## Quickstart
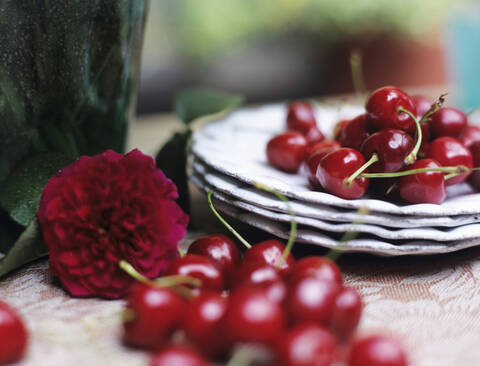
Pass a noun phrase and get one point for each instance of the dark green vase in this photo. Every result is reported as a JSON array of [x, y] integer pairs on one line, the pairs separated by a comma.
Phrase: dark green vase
[[68, 76]]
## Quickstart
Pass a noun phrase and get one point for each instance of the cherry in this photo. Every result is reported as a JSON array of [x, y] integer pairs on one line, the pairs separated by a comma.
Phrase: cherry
[[300, 117], [311, 299], [388, 187], [270, 252], [391, 146], [474, 178], [427, 187], [314, 135], [252, 317], [471, 135], [377, 351], [13, 335], [422, 104], [320, 267], [338, 128], [448, 122], [347, 311], [287, 150], [448, 151], [321, 146], [316, 154], [336, 167], [306, 345], [254, 273], [354, 132], [220, 249], [200, 267], [178, 355], [382, 109], [203, 323], [156, 314]]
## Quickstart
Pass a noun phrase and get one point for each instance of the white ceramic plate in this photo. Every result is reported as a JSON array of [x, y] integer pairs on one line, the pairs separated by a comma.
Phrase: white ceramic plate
[[235, 146]]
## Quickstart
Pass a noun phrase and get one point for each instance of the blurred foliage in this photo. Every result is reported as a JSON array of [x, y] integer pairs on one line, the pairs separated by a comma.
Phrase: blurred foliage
[[203, 29]]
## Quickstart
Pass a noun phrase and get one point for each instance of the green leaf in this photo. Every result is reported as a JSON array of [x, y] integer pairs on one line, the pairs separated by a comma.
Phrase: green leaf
[[20, 193], [9, 232], [193, 103], [28, 247], [172, 159]]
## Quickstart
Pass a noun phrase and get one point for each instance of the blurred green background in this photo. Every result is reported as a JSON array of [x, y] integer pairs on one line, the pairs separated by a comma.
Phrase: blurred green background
[[280, 49]]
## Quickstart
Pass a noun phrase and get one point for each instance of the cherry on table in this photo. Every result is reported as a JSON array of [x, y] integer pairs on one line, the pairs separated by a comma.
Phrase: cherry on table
[[180, 355], [316, 266], [474, 178], [203, 323], [448, 151], [220, 249], [448, 121], [300, 117], [336, 167], [156, 314], [252, 316], [382, 109], [13, 335], [470, 136], [391, 146], [346, 314], [270, 252], [199, 267], [377, 351], [306, 345], [422, 104], [354, 132], [428, 187], [287, 151]]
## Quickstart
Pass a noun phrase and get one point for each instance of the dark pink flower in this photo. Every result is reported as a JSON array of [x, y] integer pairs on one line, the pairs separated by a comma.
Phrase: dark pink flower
[[102, 209]]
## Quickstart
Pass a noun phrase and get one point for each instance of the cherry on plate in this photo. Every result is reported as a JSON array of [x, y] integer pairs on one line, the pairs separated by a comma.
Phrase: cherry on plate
[[470, 136], [428, 187], [313, 161], [377, 351], [382, 109], [270, 252], [306, 345], [287, 151], [300, 117], [354, 132], [199, 267], [474, 178], [347, 311], [178, 355], [422, 104], [155, 314], [315, 266], [338, 128], [13, 335], [322, 145], [448, 121], [314, 136]]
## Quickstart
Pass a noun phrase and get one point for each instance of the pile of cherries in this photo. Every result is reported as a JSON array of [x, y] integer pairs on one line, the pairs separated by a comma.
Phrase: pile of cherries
[[300, 312], [412, 146]]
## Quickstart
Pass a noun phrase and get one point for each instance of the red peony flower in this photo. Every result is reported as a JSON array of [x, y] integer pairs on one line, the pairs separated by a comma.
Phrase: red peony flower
[[106, 208]]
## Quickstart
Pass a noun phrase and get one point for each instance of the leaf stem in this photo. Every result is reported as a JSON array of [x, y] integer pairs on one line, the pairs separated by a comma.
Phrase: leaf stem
[[412, 157], [348, 181]]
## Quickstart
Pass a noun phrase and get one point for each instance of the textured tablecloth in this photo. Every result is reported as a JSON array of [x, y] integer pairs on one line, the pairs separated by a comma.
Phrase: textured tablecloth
[[431, 304]]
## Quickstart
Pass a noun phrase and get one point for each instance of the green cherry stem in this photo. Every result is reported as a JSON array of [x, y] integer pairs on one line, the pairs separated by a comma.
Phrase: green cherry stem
[[348, 181], [293, 223], [412, 157], [459, 169], [227, 225]]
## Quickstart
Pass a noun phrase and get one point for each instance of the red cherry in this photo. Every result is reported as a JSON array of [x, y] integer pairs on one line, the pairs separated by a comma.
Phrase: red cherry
[[270, 252], [382, 109], [346, 313], [13, 335], [387, 187], [314, 136], [300, 117], [287, 150], [448, 151], [306, 345], [178, 355], [320, 267], [426, 187], [422, 104], [338, 128], [157, 313], [474, 178], [354, 132], [200, 267], [377, 351], [336, 167], [220, 249], [313, 160], [311, 300], [471, 135], [448, 122], [252, 317], [203, 323], [321, 146], [391, 146]]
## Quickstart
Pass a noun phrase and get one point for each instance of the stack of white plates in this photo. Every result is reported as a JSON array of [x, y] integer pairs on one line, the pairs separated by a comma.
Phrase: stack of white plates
[[229, 158]]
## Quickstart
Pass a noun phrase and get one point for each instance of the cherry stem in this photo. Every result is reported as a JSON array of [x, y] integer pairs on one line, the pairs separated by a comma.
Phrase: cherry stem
[[459, 169], [225, 223], [356, 69], [241, 357], [181, 253], [293, 223], [412, 157], [373, 159]]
